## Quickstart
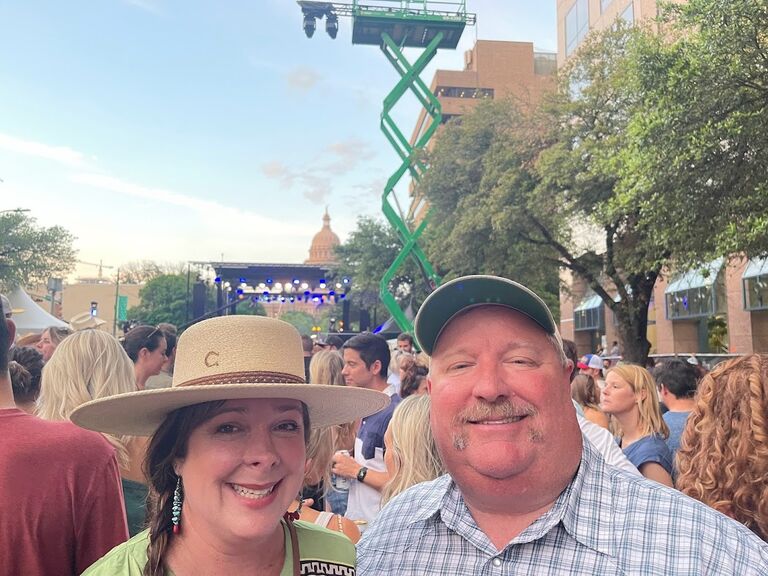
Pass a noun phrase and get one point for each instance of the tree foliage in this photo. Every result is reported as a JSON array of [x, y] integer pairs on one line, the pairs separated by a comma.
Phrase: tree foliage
[[30, 254], [523, 193], [701, 144], [302, 321], [651, 155], [366, 256], [163, 299], [142, 271]]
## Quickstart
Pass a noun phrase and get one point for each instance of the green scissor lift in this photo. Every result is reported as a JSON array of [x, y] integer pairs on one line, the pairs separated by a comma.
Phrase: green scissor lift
[[394, 25]]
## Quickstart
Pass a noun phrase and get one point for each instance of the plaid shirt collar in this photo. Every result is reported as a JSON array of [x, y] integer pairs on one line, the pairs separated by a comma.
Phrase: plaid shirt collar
[[584, 507]]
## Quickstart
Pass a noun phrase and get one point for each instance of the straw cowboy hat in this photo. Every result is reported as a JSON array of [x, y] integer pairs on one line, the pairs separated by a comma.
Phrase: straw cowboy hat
[[84, 321], [226, 358]]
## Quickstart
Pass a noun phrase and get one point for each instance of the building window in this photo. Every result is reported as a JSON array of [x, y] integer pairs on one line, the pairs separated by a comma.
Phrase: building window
[[604, 5], [576, 25], [694, 293], [629, 13], [589, 315], [755, 285], [544, 64], [459, 92]]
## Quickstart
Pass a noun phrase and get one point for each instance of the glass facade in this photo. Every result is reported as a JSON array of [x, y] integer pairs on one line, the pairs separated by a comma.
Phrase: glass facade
[[755, 285], [629, 13], [694, 294], [604, 5], [691, 303], [576, 25], [460, 92], [590, 314]]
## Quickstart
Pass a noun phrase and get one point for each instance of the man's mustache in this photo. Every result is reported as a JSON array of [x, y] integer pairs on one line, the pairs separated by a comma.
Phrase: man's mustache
[[499, 410]]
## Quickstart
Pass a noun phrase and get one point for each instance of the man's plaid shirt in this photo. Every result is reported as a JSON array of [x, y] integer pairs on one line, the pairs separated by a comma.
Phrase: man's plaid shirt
[[606, 521]]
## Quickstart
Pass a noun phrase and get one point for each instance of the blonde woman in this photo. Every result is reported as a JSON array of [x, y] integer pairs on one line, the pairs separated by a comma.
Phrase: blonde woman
[[326, 367], [50, 338], [411, 455], [723, 459], [88, 365], [319, 451], [630, 399]]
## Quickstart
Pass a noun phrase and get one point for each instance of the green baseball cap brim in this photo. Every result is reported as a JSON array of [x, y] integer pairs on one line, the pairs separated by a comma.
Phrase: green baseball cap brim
[[455, 296]]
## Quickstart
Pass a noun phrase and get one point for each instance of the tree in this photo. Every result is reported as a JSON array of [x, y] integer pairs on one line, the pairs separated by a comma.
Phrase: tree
[[521, 194], [302, 321], [141, 271], [30, 254], [365, 257], [163, 299], [250, 308], [701, 147], [476, 165]]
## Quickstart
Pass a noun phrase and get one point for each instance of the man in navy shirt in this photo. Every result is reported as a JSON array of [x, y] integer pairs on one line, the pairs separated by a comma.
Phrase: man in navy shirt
[[366, 358]]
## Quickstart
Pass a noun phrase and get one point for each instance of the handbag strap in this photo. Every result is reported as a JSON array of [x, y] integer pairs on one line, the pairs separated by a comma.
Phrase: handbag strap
[[294, 547]]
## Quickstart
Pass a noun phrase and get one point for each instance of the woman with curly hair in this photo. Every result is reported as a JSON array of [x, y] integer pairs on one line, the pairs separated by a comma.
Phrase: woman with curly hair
[[723, 458], [630, 399]]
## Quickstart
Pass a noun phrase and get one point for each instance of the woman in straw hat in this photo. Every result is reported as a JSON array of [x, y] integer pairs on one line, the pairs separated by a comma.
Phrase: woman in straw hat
[[227, 455]]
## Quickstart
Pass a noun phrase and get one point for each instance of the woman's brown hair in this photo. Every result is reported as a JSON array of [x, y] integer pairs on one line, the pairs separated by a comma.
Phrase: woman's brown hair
[[169, 443]]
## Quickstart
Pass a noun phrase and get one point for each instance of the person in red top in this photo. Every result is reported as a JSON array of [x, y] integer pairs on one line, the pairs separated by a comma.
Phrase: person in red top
[[61, 504]]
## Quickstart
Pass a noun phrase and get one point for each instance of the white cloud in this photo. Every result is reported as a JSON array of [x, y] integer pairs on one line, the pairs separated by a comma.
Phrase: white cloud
[[302, 79], [211, 212], [60, 154]]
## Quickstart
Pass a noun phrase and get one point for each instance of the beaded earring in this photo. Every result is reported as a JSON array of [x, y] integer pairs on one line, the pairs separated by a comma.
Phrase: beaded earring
[[176, 509], [296, 514]]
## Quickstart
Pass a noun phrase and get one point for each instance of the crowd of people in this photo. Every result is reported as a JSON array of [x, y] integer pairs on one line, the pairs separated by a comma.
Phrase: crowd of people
[[481, 444]]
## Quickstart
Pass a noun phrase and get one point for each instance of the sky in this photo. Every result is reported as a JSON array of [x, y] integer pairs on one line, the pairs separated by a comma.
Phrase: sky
[[192, 130]]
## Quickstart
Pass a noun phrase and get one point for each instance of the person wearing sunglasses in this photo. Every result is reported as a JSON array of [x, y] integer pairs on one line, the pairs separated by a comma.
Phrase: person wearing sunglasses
[[146, 347]]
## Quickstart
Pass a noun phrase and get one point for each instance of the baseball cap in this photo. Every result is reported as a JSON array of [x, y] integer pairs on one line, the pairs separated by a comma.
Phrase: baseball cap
[[469, 291], [595, 362], [583, 363], [6, 306]]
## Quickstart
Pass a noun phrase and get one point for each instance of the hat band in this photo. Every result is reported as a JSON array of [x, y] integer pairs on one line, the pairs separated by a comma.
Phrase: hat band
[[258, 377]]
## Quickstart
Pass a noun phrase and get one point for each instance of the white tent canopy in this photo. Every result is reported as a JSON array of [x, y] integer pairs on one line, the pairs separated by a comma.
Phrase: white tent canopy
[[28, 316]]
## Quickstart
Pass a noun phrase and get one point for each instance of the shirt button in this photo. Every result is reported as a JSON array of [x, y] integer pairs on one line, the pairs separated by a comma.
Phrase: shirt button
[[497, 562]]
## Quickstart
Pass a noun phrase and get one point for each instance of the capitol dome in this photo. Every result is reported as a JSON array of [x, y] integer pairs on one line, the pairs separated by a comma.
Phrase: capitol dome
[[321, 251]]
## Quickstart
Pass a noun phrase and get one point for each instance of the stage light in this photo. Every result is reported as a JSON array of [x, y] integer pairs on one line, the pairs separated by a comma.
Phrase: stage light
[[332, 25], [309, 25]]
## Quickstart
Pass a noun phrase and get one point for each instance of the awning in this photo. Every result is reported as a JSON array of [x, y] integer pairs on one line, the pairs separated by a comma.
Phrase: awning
[[702, 278], [756, 267], [590, 303]]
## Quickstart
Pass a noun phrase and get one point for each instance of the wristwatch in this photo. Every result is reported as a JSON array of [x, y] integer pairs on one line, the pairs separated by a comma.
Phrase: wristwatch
[[361, 474]]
